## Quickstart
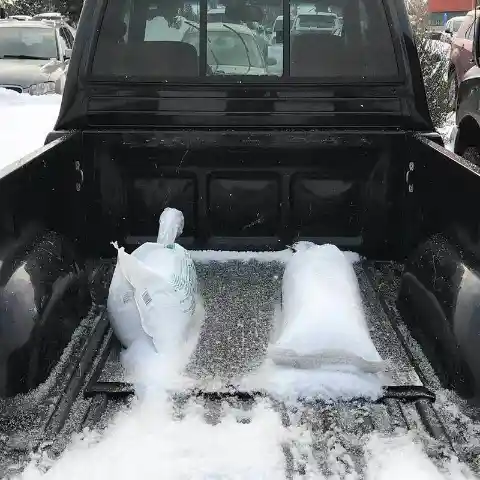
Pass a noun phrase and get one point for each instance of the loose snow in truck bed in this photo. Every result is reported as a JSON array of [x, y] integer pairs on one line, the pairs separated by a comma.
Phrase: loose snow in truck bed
[[25, 121], [281, 256], [151, 440]]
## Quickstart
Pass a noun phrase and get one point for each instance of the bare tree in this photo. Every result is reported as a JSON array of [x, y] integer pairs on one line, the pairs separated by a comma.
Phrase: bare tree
[[433, 56]]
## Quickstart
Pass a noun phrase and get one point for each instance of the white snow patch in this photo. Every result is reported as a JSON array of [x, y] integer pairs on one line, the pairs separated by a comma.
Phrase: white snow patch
[[400, 457], [25, 122], [281, 256], [147, 441]]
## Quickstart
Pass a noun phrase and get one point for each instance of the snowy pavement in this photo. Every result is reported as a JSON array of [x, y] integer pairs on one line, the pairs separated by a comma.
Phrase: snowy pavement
[[25, 121]]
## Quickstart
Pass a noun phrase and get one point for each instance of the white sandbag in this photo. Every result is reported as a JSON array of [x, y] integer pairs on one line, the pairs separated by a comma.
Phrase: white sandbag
[[322, 313], [154, 291]]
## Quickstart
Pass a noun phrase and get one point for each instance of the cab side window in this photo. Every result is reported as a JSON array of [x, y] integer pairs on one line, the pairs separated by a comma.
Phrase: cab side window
[[70, 37], [470, 32]]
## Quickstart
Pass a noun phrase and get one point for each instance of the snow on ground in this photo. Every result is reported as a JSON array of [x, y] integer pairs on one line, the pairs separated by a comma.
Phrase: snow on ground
[[401, 456], [148, 442], [282, 256], [25, 121]]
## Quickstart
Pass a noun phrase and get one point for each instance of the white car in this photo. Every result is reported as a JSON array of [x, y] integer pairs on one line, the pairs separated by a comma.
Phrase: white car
[[321, 22], [277, 30], [231, 50], [451, 29]]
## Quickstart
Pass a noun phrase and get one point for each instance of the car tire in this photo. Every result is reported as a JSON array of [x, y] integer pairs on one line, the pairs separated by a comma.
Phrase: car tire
[[472, 154], [452, 90]]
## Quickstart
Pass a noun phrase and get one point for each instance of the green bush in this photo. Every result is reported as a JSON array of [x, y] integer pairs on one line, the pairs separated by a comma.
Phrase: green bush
[[434, 59]]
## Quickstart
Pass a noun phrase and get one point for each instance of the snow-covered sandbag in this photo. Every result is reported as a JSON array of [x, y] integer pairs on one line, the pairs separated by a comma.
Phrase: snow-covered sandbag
[[322, 313], [154, 291]]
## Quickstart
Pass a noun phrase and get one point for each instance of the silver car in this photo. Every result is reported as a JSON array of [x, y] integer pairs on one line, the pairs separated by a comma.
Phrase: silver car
[[34, 56]]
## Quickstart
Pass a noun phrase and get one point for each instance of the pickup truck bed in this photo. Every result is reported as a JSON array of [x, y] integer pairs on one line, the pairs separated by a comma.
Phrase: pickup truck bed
[[254, 164], [88, 387]]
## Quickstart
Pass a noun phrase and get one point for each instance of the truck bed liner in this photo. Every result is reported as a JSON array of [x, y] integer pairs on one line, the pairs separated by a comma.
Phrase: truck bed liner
[[240, 298]]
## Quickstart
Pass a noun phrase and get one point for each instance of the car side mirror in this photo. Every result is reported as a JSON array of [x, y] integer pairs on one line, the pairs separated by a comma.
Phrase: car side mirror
[[271, 61], [68, 54], [447, 30], [269, 31], [476, 43]]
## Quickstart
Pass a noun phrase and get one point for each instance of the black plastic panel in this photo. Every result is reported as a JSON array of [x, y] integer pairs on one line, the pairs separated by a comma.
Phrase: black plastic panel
[[234, 202], [240, 192], [332, 202]]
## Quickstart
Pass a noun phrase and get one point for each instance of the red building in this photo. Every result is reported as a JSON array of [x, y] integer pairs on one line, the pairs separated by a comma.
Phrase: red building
[[442, 10]]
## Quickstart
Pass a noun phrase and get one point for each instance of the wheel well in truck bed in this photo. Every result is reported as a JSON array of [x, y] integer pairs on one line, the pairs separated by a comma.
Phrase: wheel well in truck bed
[[43, 296], [468, 136]]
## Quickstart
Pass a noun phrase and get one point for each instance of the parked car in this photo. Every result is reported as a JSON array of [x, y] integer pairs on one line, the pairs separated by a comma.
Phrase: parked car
[[465, 136], [34, 56], [215, 15], [277, 30], [451, 29], [319, 22], [232, 49], [254, 164], [56, 17], [48, 16], [461, 54]]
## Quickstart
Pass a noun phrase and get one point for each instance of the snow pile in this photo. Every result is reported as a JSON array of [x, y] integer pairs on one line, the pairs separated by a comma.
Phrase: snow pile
[[400, 457], [25, 122], [153, 374], [446, 130], [149, 442], [326, 383], [155, 440], [281, 256]]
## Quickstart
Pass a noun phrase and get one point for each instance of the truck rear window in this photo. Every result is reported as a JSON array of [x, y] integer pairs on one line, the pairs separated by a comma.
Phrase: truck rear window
[[161, 40]]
